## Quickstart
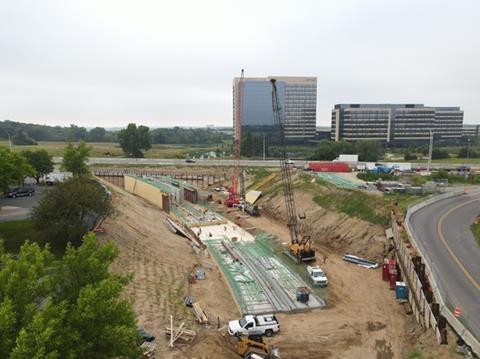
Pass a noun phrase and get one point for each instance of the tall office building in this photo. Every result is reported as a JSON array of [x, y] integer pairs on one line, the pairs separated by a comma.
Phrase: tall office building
[[298, 100], [396, 123]]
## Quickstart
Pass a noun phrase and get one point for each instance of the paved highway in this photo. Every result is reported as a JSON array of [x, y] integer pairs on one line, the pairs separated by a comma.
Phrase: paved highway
[[219, 162], [442, 230], [181, 162]]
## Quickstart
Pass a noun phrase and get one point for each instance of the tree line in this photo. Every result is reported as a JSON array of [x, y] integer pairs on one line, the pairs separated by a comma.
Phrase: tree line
[[30, 134]]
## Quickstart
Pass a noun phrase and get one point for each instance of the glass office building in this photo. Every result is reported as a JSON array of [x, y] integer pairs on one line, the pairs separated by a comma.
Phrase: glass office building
[[298, 100]]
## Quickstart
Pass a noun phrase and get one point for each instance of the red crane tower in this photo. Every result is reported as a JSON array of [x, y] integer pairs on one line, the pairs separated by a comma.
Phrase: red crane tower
[[234, 196]]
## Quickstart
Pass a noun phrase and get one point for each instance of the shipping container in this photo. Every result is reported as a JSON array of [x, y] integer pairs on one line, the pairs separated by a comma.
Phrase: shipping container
[[328, 166]]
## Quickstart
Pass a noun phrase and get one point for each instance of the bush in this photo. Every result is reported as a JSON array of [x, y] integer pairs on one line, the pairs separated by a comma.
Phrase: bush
[[410, 156], [438, 154]]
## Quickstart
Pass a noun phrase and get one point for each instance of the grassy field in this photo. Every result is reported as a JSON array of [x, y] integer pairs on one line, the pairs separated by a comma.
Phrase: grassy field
[[108, 149], [15, 233], [476, 232]]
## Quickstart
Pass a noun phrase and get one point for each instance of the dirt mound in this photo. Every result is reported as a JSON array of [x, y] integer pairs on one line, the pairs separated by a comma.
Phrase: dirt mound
[[159, 262], [336, 231]]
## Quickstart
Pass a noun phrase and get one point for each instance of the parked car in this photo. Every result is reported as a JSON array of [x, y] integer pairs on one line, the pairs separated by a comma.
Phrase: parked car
[[21, 192], [289, 162], [190, 160], [317, 275], [266, 324]]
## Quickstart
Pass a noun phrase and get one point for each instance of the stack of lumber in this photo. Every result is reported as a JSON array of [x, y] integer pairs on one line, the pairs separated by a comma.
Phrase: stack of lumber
[[183, 334], [199, 314], [148, 350]]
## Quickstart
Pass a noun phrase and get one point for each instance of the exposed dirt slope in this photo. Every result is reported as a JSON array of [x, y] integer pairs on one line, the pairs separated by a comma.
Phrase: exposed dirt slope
[[159, 262], [334, 230]]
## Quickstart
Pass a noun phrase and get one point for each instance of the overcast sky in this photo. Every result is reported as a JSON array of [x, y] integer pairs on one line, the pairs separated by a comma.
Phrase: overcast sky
[[164, 63]]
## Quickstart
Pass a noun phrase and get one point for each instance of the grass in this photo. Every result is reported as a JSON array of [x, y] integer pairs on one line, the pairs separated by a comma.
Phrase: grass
[[110, 149], [15, 233], [368, 207], [476, 232]]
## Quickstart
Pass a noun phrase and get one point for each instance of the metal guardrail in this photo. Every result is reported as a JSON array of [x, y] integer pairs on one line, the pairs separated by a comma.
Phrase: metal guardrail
[[456, 324]]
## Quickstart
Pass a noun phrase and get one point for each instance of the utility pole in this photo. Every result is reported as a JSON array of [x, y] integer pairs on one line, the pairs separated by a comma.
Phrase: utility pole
[[10, 142], [430, 151], [264, 147]]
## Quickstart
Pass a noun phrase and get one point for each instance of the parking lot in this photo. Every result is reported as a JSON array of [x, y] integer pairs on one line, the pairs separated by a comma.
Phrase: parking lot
[[13, 209]]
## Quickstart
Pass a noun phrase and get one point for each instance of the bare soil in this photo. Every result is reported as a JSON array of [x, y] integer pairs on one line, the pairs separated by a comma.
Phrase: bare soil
[[362, 320], [159, 263], [335, 231]]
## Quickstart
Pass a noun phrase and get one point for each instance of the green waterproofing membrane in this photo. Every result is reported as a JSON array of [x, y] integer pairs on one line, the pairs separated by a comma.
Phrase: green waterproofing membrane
[[250, 295], [337, 180]]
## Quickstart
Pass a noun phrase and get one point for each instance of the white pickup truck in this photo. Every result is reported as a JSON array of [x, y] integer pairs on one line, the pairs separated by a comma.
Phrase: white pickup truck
[[254, 325], [317, 275]]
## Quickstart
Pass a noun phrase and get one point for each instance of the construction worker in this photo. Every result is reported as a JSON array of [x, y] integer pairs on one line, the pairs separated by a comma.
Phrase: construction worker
[[325, 258]]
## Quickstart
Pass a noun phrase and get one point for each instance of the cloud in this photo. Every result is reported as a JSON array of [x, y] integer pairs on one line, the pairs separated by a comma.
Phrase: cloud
[[165, 63]]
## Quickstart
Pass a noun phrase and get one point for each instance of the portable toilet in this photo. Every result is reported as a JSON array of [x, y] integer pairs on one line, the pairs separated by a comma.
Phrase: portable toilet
[[401, 291]]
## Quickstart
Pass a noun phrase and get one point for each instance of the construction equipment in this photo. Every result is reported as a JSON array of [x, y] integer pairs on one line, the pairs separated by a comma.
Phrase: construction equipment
[[234, 197], [254, 347], [300, 249]]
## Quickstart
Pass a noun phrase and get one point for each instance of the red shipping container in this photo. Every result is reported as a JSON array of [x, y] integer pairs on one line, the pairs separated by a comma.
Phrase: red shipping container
[[328, 166]]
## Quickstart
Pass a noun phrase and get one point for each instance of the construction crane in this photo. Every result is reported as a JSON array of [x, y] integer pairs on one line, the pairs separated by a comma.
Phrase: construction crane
[[234, 197], [300, 248]]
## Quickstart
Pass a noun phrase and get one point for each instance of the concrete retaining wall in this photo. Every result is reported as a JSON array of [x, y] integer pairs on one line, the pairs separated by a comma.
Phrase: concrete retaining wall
[[151, 193]]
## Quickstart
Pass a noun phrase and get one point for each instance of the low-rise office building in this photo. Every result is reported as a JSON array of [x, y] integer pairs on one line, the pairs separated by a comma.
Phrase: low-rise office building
[[396, 123], [470, 131]]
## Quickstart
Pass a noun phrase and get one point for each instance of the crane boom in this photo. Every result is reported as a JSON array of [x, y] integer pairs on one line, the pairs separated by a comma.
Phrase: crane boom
[[300, 247], [285, 168]]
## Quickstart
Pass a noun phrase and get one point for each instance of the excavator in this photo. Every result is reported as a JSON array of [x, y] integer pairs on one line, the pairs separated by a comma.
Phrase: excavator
[[300, 249], [253, 347]]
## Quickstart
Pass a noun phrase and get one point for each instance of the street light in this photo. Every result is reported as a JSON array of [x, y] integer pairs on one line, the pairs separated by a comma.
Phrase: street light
[[430, 151]]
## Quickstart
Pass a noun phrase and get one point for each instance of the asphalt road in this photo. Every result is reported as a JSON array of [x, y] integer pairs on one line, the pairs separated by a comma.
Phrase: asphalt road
[[14, 209], [219, 162], [442, 230]]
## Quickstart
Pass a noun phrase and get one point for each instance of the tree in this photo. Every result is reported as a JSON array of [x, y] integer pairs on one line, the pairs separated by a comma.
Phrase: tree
[[468, 152], [75, 133], [22, 138], [65, 212], [368, 150], [82, 313], [133, 140], [75, 158], [97, 134], [408, 156], [438, 154], [41, 162], [13, 169]]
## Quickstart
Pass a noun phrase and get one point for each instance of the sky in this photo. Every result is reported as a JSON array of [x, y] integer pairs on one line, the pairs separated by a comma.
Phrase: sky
[[171, 63]]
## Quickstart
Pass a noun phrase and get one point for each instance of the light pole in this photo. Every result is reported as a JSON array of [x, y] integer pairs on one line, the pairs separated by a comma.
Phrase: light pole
[[430, 151]]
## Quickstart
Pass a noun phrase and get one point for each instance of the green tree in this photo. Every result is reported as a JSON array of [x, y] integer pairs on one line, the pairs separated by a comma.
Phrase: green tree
[[41, 162], [81, 315], [438, 154], [75, 159], [14, 168], [329, 150], [64, 213], [22, 138], [134, 139], [22, 282], [368, 150], [97, 134]]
